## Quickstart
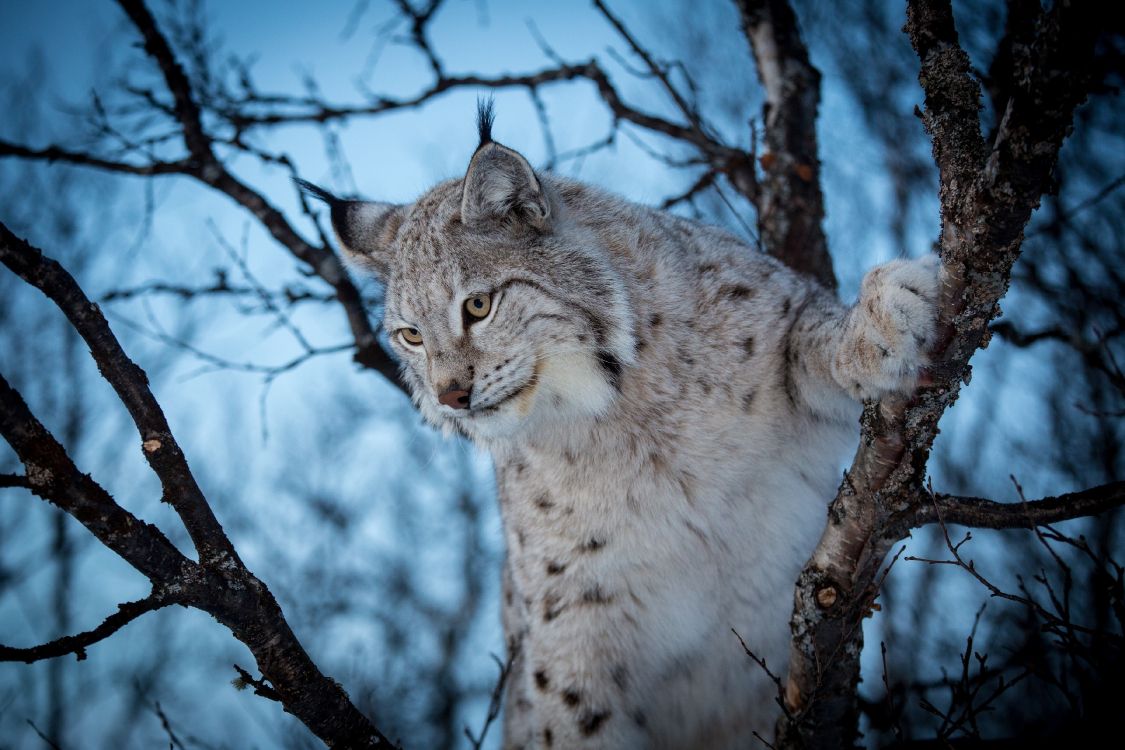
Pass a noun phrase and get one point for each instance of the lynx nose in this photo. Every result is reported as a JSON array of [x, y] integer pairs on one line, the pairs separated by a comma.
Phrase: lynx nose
[[455, 397]]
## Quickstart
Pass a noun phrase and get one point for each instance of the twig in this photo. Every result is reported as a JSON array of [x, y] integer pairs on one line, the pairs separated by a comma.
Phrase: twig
[[77, 644], [689, 110], [58, 154], [705, 181], [1069, 213], [173, 740], [761, 662], [50, 743], [14, 480], [495, 701], [261, 687], [989, 514], [1053, 621]]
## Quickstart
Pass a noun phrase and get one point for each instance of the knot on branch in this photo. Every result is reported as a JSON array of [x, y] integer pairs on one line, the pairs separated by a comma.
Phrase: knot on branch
[[38, 476], [826, 597]]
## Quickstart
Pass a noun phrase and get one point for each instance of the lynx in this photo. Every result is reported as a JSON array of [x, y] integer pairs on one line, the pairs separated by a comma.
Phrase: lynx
[[668, 411]]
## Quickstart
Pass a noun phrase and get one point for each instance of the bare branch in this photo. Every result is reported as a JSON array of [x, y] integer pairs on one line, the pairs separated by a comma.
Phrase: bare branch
[[219, 584], [495, 700], [54, 477], [660, 73], [706, 180], [214, 362], [419, 20], [989, 514], [52, 154], [203, 165], [173, 741], [289, 295], [761, 662], [207, 168], [14, 480], [77, 644], [1069, 213], [1057, 622], [131, 385], [47, 740], [186, 110], [311, 110], [1096, 354], [261, 687], [263, 295]]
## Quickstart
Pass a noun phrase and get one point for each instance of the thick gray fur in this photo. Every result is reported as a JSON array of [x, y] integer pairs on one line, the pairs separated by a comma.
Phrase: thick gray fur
[[668, 411]]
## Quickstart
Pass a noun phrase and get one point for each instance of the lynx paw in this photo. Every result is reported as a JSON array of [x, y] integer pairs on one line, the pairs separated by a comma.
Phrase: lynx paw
[[890, 330]]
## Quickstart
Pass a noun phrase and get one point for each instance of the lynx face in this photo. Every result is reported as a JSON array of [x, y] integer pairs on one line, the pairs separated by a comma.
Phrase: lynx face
[[491, 336], [503, 317]]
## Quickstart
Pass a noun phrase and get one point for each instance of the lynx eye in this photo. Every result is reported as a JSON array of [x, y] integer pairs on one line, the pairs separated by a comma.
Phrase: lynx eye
[[410, 336], [478, 305]]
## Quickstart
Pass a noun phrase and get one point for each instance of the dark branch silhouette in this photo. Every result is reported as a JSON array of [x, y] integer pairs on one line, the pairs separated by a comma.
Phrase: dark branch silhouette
[[988, 514], [218, 583], [78, 643]]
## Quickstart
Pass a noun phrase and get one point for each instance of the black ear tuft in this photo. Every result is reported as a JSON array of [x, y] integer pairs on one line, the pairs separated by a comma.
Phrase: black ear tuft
[[315, 191], [365, 229], [486, 115]]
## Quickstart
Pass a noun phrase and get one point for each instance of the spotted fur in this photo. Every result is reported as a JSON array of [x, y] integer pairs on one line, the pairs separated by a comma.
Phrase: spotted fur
[[668, 412]]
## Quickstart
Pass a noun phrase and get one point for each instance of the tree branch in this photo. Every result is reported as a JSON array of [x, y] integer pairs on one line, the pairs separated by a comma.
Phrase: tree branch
[[706, 180], [77, 644], [219, 584], [52, 154], [54, 477], [986, 199], [186, 110], [131, 385], [790, 203], [207, 168], [689, 111], [14, 480], [988, 514], [288, 295]]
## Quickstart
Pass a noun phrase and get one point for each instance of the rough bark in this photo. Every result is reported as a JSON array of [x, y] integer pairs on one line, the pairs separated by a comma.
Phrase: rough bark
[[988, 192]]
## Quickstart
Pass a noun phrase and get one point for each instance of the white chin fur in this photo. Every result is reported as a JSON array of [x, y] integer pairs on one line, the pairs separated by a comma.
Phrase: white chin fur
[[570, 387], [574, 385]]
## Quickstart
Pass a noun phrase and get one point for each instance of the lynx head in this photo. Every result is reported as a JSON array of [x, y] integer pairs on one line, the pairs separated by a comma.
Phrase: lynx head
[[501, 303]]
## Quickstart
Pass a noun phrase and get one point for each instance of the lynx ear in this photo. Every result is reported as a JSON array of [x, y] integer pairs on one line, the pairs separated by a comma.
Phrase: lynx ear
[[500, 184], [365, 229]]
